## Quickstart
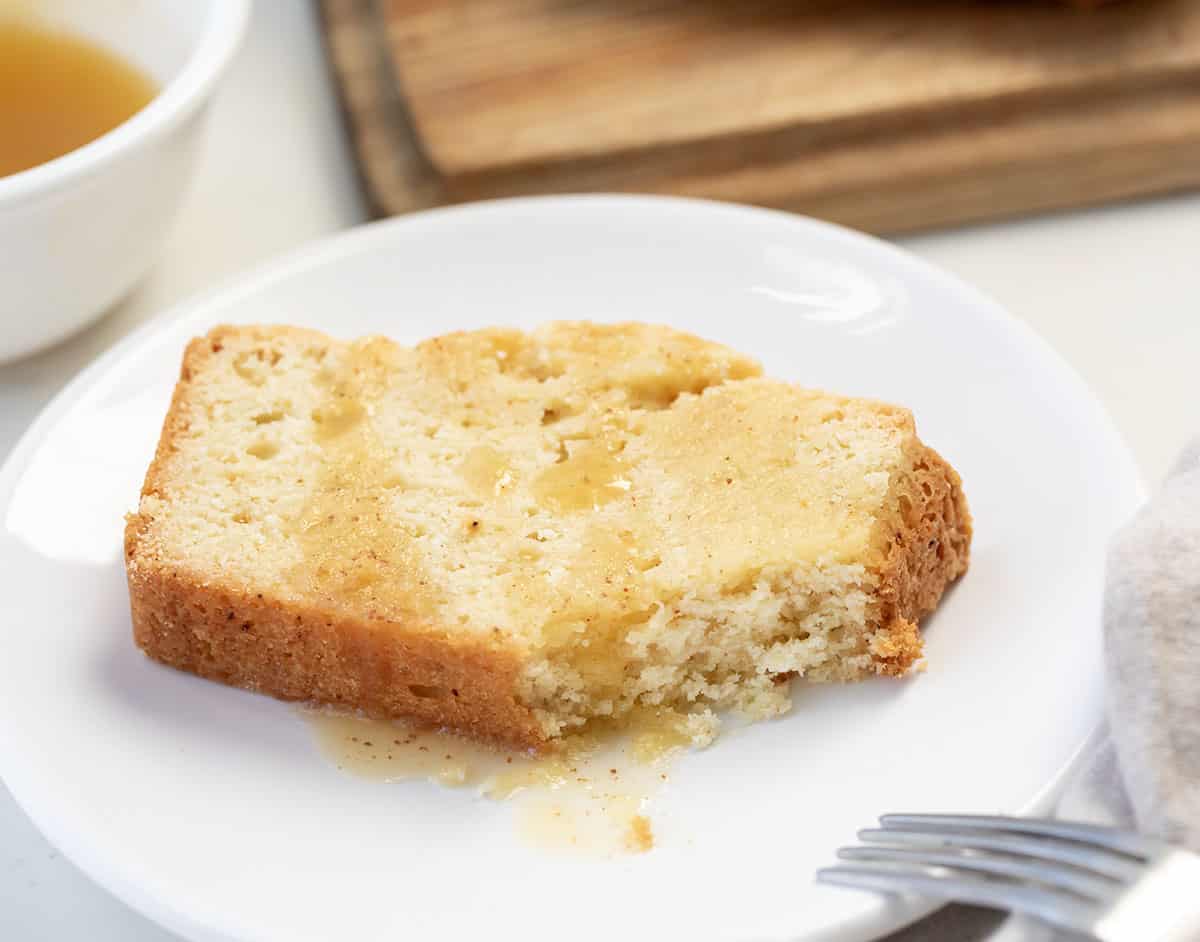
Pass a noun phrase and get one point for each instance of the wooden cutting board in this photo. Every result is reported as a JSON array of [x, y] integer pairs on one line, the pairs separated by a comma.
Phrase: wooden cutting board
[[887, 115]]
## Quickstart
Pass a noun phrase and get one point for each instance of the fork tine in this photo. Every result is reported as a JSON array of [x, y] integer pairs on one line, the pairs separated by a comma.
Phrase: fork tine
[[1062, 878], [1097, 860], [1122, 842], [1054, 908]]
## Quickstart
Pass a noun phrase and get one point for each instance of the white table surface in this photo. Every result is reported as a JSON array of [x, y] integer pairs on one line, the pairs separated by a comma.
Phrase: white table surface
[[1115, 290]]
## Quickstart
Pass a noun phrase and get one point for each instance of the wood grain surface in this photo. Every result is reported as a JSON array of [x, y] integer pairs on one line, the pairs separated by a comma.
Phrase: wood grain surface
[[885, 115]]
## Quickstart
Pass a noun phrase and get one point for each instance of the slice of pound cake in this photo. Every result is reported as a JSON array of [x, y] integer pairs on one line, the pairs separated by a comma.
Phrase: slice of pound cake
[[512, 534]]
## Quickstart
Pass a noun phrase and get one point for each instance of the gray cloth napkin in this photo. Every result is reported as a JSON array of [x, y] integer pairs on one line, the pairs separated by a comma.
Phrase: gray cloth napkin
[[1144, 771]]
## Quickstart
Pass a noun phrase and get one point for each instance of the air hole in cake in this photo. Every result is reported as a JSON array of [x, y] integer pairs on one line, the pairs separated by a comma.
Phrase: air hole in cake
[[543, 370], [508, 348], [651, 402], [266, 418], [654, 394], [426, 692], [337, 417], [263, 450], [248, 365]]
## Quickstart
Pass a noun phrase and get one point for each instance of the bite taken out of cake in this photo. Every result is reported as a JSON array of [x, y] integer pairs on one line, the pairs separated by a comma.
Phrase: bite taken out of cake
[[516, 534]]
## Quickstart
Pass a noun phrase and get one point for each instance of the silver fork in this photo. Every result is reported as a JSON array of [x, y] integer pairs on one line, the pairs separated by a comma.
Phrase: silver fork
[[1113, 885]]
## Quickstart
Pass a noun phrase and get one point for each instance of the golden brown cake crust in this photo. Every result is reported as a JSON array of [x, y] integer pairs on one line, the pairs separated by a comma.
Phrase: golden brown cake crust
[[928, 539], [302, 653]]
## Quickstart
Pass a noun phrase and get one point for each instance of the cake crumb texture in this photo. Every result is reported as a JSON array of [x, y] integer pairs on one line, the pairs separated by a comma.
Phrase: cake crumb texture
[[517, 534]]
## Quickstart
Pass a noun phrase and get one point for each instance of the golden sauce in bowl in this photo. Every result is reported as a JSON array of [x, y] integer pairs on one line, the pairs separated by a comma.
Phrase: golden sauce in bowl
[[58, 92]]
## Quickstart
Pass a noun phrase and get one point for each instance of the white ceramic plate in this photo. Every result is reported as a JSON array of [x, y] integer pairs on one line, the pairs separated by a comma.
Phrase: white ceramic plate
[[210, 809]]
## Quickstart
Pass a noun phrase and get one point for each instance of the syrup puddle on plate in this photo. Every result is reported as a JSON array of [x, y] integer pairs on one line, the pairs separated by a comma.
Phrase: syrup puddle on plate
[[594, 797]]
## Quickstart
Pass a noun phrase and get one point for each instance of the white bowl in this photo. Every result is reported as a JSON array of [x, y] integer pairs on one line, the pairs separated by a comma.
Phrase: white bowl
[[77, 232]]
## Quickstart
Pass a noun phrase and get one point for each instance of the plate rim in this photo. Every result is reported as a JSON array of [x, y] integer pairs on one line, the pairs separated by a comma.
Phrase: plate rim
[[356, 239]]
